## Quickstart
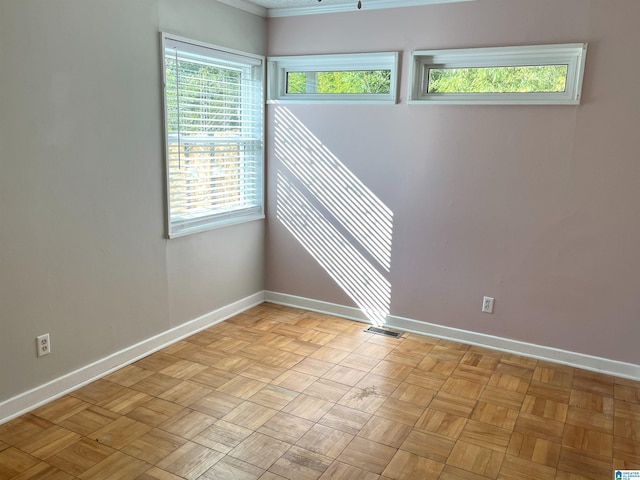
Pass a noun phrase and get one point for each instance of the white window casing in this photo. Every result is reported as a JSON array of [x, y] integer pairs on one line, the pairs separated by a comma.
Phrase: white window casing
[[280, 67], [570, 55], [214, 135]]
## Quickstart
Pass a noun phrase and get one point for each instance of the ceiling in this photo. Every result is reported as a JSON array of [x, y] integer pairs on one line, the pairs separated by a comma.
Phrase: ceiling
[[283, 8]]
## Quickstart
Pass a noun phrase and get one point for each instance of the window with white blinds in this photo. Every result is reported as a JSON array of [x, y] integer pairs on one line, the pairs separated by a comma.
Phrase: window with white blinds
[[214, 118]]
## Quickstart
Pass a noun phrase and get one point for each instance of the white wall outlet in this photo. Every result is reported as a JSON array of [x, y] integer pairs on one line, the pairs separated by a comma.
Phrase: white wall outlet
[[43, 345], [487, 304]]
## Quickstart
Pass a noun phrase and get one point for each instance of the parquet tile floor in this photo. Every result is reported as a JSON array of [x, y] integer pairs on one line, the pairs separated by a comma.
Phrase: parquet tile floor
[[279, 393]]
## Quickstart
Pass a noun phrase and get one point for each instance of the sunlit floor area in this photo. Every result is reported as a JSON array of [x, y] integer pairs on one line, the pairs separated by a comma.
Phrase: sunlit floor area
[[279, 393]]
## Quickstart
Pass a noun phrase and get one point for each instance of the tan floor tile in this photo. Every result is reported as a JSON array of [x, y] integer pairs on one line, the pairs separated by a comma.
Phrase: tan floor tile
[[232, 469], [120, 432], [242, 387], [342, 471], [260, 450], [285, 427], [155, 384], [360, 362], [367, 455], [408, 466], [429, 445], [413, 394], [14, 462], [345, 375], [580, 417], [591, 401], [99, 391], [190, 460], [187, 423], [459, 406], [591, 466], [216, 404], [273, 396], [553, 376], [364, 399], [183, 369], [485, 435], [473, 374], [154, 446], [399, 411], [61, 409], [125, 402], [48, 442], [514, 468], [495, 415], [213, 377], [249, 415], [385, 431], [115, 467], [43, 471], [550, 392], [460, 387], [222, 436], [327, 390], [509, 382], [439, 368], [185, 393], [540, 427], [440, 422], [476, 459], [392, 370], [328, 354], [312, 366], [81, 456], [425, 380], [155, 473], [325, 441], [545, 408], [591, 441], [263, 372], [346, 419], [534, 449], [155, 411], [296, 381], [300, 464], [372, 350], [307, 407], [502, 397]]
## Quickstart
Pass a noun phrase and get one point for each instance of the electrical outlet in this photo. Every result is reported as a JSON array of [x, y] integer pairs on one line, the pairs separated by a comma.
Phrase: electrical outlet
[[487, 304], [43, 345]]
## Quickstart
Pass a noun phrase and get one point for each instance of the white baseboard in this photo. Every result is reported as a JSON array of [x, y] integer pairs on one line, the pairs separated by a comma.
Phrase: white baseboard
[[27, 401], [555, 355]]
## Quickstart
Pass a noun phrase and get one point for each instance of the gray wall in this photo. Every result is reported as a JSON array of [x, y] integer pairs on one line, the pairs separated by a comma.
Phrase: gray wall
[[82, 249], [536, 206]]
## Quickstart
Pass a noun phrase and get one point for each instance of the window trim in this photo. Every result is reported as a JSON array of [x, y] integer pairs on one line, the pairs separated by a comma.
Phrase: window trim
[[279, 67], [571, 54], [175, 229]]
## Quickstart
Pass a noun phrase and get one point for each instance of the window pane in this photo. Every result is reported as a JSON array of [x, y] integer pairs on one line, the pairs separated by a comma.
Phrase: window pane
[[340, 82], [213, 108], [522, 79]]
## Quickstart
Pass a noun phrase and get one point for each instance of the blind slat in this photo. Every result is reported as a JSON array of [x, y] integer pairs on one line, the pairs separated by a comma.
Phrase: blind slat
[[214, 116]]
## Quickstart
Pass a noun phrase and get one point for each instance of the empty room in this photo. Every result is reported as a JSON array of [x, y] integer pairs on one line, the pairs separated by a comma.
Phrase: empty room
[[319, 239]]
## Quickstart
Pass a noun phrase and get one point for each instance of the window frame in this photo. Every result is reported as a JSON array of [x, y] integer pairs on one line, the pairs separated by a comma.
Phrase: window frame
[[219, 218], [571, 54], [279, 67]]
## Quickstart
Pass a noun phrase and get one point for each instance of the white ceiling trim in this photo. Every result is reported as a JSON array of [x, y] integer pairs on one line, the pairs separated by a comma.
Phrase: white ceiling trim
[[330, 8], [247, 7]]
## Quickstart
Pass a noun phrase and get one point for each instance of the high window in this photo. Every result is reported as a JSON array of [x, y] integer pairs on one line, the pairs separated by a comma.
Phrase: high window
[[542, 74], [213, 101], [339, 78]]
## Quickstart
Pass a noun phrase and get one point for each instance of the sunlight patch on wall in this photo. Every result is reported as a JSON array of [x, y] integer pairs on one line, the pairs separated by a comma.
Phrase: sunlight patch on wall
[[335, 186], [334, 216]]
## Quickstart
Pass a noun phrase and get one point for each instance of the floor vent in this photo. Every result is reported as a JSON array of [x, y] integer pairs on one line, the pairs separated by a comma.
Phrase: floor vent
[[383, 331]]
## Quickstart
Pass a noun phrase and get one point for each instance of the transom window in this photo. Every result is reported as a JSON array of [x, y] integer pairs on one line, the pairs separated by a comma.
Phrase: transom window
[[543, 74], [213, 102], [340, 78]]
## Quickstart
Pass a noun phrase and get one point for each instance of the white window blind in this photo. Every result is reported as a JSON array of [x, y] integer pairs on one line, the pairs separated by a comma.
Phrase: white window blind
[[214, 136]]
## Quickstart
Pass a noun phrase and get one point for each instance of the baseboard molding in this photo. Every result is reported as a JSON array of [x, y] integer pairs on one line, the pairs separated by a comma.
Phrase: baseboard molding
[[27, 401], [540, 352]]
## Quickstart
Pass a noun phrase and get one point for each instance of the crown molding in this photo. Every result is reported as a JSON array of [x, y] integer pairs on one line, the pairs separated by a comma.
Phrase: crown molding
[[247, 7], [329, 8]]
